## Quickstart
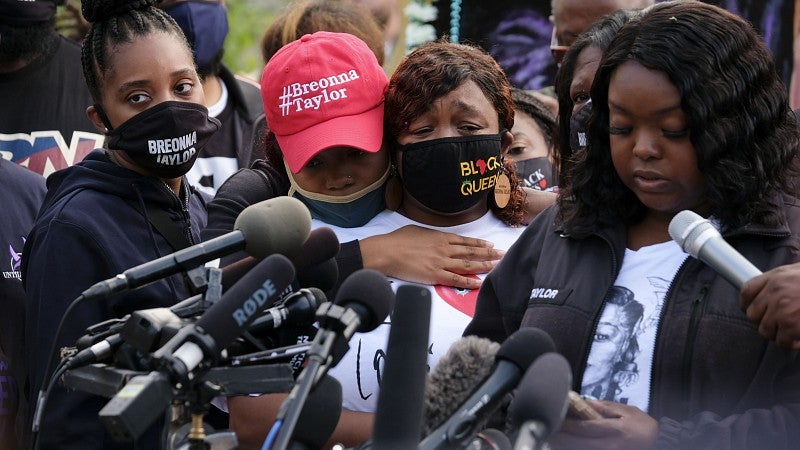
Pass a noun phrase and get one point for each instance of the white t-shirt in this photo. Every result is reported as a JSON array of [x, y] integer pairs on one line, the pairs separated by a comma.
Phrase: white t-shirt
[[218, 168], [451, 309], [621, 357]]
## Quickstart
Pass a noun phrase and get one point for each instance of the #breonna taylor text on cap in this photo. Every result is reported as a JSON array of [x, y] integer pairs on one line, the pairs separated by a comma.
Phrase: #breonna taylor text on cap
[[324, 90]]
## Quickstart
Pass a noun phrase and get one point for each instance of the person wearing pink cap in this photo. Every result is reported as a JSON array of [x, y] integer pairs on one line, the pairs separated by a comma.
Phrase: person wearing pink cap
[[323, 97], [443, 180]]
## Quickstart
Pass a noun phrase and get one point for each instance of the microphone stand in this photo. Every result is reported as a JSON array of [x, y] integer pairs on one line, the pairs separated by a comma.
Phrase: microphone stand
[[335, 322]]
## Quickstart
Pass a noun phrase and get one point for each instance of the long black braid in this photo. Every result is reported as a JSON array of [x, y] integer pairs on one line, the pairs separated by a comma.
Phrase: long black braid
[[115, 22]]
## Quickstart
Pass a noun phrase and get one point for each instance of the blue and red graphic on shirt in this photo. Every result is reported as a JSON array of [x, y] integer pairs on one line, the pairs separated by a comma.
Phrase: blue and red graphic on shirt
[[44, 152]]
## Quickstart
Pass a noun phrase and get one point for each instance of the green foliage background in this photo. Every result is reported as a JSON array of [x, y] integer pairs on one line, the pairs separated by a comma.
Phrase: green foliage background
[[248, 19]]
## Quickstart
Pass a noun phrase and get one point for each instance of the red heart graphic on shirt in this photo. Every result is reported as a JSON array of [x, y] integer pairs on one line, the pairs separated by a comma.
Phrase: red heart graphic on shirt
[[461, 299]]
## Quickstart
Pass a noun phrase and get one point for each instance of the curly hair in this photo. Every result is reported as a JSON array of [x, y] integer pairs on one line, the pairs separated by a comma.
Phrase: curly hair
[[740, 124], [433, 70], [599, 36], [116, 22]]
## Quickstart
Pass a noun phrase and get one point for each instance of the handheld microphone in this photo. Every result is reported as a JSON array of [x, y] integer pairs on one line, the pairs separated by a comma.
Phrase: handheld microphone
[[698, 237], [277, 225], [398, 416], [145, 397], [541, 401], [512, 359]]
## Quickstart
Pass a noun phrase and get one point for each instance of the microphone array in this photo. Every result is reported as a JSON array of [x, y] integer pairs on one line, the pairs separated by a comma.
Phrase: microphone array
[[282, 283]]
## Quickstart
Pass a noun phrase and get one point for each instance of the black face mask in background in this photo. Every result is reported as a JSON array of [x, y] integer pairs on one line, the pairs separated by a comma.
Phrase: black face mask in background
[[578, 124], [452, 174], [165, 139], [536, 173]]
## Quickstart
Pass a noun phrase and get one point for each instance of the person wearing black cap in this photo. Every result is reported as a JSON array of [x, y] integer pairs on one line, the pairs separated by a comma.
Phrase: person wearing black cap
[[45, 127], [234, 100]]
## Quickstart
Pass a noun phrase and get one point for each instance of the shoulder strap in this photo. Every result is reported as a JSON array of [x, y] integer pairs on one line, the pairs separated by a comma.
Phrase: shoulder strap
[[164, 224]]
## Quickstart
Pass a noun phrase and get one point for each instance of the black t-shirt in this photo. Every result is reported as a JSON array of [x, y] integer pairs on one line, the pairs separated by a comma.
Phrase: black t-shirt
[[43, 121]]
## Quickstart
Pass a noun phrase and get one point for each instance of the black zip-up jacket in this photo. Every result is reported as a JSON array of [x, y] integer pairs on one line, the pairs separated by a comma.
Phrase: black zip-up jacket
[[246, 99], [716, 383], [93, 225]]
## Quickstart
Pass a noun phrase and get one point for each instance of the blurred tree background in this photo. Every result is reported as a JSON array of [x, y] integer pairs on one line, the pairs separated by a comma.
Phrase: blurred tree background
[[248, 20]]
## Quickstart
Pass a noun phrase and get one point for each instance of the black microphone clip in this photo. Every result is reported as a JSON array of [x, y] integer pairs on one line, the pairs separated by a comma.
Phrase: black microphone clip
[[337, 326]]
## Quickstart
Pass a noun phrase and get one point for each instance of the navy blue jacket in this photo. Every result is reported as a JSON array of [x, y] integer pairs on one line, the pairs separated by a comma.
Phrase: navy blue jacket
[[21, 194], [92, 226]]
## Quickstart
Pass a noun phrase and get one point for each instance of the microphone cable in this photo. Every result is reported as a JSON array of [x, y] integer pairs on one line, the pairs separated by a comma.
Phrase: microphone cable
[[50, 381]]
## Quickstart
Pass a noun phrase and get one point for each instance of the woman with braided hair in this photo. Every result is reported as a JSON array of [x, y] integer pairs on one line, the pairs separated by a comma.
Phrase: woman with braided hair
[[123, 205]]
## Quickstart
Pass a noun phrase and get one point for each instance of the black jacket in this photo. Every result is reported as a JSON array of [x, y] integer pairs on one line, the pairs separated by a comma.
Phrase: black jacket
[[716, 383], [93, 225], [248, 109]]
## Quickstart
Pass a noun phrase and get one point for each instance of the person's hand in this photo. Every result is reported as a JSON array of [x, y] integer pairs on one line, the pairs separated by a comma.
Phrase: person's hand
[[772, 301], [426, 256], [623, 427]]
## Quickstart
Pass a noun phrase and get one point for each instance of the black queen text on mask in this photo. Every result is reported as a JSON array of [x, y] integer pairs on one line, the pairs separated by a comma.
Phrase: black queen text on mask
[[452, 174]]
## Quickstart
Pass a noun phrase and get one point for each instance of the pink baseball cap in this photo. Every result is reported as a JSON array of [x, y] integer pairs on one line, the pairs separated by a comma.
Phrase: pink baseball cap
[[324, 90]]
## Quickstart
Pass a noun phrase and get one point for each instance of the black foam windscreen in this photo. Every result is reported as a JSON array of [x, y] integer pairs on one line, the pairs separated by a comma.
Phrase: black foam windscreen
[[369, 294], [323, 275], [320, 414], [321, 245], [525, 345], [399, 412], [278, 225], [542, 395], [314, 262]]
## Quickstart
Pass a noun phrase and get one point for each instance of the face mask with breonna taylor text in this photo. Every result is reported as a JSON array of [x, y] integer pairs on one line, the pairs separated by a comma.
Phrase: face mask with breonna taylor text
[[164, 140], [452, 174]]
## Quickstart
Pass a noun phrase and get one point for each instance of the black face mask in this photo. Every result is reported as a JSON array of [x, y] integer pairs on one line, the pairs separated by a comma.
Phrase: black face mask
[[536, 173], [165, 139], [578, 124], [451, 175]]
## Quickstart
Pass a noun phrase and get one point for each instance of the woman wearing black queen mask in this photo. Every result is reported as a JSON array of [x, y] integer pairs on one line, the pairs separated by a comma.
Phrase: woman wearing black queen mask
[[123, 205]]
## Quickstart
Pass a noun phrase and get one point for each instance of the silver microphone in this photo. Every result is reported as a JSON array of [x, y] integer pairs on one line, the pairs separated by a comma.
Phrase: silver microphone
[[698, 237]]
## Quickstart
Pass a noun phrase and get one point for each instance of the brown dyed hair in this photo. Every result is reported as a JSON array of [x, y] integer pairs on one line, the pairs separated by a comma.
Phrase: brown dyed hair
[[437, 68]]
